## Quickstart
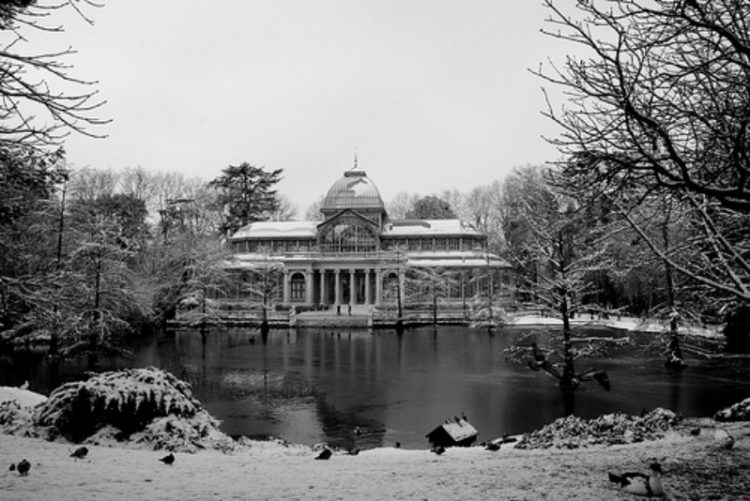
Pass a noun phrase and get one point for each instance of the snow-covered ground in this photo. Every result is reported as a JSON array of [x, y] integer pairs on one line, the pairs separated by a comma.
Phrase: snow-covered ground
[[695, 467], [630, 324]]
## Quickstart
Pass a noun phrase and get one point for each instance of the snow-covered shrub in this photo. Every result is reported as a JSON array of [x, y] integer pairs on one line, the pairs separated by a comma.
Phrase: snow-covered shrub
[[16, 418], [572, 432], [128, 400], [185, 434], [737, 412]]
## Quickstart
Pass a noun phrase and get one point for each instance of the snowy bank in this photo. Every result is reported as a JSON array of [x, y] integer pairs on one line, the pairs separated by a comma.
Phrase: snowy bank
[[695, 467], [628, 324], [24, 398]]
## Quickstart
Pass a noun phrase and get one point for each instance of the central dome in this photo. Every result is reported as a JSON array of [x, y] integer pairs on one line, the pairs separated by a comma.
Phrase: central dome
[[353, 191]]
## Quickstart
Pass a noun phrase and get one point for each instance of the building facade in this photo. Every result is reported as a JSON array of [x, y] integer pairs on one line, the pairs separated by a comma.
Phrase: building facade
[[357, 255]]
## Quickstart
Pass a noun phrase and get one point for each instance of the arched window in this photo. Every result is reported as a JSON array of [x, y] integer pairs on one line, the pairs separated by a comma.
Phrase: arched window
[[297, 287]]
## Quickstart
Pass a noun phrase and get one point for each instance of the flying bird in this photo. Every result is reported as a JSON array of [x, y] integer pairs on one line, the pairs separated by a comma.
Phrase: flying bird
[[640, 483], [79, 453], [23, 467], [168, 459], [325, 454]]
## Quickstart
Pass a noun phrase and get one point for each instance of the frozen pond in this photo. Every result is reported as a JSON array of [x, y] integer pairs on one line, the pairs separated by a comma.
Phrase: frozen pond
[[356, 388]]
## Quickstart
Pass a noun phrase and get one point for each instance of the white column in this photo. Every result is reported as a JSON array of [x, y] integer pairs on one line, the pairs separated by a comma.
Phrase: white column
[[286, 287], [352, 289], [367, 286], [323, 287], [378, 286], [337, 287], [309, 286]]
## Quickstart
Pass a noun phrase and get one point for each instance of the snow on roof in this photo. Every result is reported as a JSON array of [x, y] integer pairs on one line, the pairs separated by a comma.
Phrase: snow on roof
[[424, 227], [461, 263], [398, 228], [277, 229], [442, 259], [459, 430]]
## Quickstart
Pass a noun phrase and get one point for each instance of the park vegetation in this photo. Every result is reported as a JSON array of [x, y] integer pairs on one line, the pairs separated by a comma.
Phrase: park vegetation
[[646, 212]]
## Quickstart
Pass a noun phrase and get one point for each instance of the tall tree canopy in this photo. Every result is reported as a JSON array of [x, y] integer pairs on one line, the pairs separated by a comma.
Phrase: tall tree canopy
[[246, 195], [430, 207]]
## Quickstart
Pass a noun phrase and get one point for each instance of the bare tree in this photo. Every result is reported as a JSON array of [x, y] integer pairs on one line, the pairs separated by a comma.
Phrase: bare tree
[[35, 110], [658, 106], [660, 96]]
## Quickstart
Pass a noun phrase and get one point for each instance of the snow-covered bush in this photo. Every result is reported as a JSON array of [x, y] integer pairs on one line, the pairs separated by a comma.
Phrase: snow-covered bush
[[132, 401], [737, 412], [15, 418], [572, 432]]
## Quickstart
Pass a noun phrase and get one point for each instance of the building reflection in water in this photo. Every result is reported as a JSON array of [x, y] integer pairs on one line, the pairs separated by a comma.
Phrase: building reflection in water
[[363, 389]]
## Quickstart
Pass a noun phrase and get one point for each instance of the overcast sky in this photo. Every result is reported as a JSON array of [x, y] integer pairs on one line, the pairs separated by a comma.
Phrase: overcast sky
[[432, 94]]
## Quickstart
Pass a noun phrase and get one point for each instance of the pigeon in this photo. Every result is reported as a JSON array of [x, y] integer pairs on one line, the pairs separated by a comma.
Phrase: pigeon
[[640, 483], [325, 454], [23, 467], [12, 467], [25, 385], [79, 453], [492, 446], [438, 450], [398, 445], [168, 459], [353, 452]]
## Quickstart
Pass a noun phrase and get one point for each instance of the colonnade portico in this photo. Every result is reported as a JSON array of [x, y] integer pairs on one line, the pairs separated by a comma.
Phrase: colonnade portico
[[334, 286]]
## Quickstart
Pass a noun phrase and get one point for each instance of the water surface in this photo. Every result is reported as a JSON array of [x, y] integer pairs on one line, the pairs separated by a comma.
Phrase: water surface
[[364, 389]]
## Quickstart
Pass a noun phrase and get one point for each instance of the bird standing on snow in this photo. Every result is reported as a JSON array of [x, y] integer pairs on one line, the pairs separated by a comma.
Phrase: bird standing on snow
[[79, 453], [168, 459], [438, 450], [325, 454], [23, 467], [639, 483], [726, 440]]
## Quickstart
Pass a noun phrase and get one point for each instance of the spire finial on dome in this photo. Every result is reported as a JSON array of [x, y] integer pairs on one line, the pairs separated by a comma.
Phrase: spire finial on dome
[[355, 159]]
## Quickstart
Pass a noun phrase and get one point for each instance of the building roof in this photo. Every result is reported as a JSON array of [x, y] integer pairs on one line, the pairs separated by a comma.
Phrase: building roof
[[353, 191], [308, 229], [429, 227]]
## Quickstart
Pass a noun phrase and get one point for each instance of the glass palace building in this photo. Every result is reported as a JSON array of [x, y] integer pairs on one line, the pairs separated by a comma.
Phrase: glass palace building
[[357, 255]]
